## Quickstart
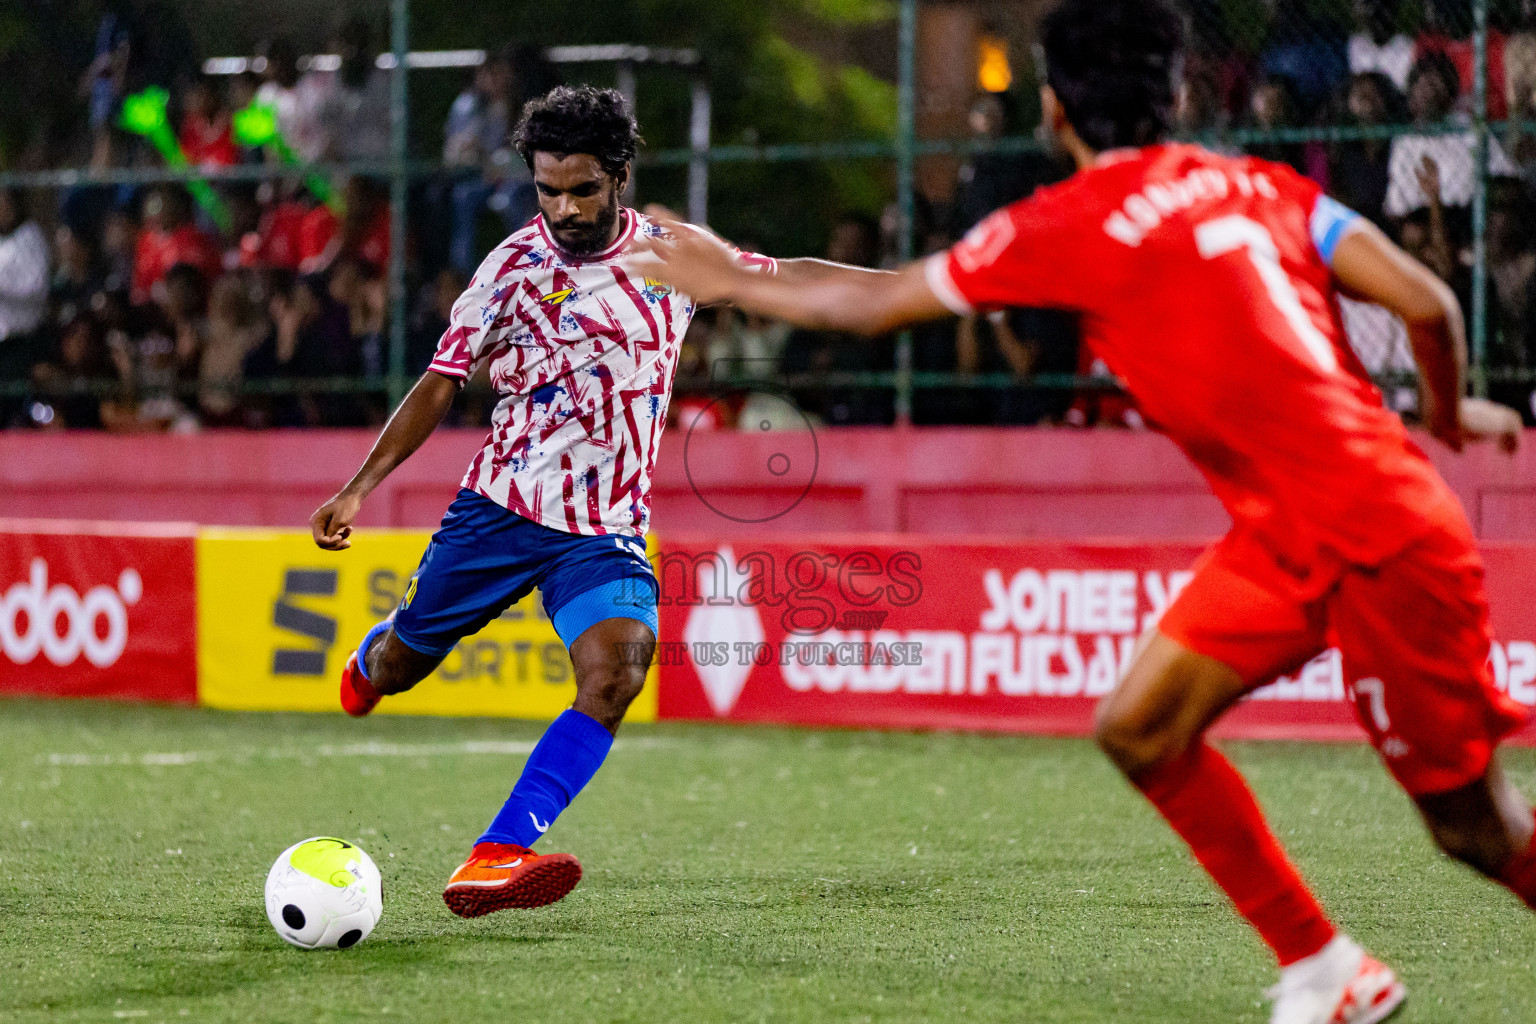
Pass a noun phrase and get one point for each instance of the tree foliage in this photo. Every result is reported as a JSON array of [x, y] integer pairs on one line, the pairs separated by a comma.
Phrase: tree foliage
[[765, 90]]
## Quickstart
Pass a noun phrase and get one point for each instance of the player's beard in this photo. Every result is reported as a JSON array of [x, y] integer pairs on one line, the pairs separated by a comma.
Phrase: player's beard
[[585, 238]]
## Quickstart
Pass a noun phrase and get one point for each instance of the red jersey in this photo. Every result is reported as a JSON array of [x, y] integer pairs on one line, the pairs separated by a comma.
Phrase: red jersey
[[316, 230], [158, 251], [208, 143], [276, 243], [320, 227], [1204, 283]]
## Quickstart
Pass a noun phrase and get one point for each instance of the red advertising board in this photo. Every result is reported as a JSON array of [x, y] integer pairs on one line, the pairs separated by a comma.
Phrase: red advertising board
[[94, 610], [1016, 636]]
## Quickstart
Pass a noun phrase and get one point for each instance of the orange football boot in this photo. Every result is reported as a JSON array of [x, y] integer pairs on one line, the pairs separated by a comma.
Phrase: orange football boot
[[358, 697], [501, 875]]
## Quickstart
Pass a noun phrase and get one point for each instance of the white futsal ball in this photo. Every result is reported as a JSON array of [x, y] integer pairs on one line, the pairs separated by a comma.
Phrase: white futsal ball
[[324, 893]]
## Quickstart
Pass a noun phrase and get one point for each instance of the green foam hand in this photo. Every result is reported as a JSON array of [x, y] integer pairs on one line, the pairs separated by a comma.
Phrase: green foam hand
[[145, 113], [256, 125]]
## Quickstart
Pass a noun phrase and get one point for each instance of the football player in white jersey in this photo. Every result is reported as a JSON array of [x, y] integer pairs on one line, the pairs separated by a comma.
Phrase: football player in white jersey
[[582, 352]]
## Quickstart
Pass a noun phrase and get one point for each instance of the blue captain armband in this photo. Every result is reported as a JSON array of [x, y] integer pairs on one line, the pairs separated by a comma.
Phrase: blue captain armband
[[1331, 221]]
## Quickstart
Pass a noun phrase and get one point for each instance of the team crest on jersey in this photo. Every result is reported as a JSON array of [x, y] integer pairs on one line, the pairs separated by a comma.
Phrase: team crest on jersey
[[655, 289], [556, 298]]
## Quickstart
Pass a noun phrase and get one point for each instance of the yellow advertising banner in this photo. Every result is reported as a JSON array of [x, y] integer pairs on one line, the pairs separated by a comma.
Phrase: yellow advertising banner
[[277, 618]]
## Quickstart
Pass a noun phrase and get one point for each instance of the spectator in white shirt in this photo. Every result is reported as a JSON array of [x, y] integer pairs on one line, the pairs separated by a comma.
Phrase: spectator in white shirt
[[23, 270], [1520, 88], [1379, 46], [296, 100], [23, 293], [353, 110], [1433, 86]]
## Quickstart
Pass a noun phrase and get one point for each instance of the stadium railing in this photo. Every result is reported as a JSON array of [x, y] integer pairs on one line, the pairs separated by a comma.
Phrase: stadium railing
[[1240, 47]]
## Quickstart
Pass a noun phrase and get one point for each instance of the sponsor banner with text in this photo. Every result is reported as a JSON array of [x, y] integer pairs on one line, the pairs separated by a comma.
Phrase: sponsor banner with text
[[1002, 636], [277, 619], [95, 610]]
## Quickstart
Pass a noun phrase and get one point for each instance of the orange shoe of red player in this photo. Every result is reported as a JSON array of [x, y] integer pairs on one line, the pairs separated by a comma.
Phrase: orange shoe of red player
[[500, 876], [358, 697]]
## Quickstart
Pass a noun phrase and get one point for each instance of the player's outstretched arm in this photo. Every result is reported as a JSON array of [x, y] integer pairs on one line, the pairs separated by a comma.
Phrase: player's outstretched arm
[[1368, 266], [809, 270], [808, 293], [410, 426]]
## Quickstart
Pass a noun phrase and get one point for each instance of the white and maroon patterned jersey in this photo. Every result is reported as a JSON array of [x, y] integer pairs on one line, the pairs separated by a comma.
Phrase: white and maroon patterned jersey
[[582, 353]]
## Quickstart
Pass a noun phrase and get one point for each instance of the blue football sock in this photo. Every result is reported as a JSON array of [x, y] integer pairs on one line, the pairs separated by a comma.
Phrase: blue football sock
[[570, 752], [368, 638]]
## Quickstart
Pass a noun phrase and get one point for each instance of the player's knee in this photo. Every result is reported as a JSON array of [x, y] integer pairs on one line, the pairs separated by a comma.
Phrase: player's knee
[[1132, 742], [390, 680], [624, 685], [611, 682]]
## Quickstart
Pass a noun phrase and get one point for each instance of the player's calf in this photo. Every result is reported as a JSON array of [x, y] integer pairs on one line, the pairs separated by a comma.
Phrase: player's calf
[[1488, 826], [1152, 728], [611, 659], [378, 668]]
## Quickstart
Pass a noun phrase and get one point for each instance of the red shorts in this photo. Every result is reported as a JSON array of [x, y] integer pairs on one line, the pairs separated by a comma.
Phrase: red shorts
[[1414, 637]]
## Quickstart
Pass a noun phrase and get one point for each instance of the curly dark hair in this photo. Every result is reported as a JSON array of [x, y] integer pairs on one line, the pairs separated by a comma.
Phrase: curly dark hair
[[579, 119], [1113, 64]]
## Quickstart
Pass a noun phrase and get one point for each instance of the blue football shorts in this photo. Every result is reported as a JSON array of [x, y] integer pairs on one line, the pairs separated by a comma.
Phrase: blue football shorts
[[483, 559]]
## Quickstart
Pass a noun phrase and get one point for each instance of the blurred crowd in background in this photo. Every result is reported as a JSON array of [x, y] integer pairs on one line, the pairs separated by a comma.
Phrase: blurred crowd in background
[[143, 308]]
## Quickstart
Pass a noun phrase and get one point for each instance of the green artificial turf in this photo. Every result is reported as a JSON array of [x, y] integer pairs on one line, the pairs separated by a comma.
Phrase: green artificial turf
[[731, 875]]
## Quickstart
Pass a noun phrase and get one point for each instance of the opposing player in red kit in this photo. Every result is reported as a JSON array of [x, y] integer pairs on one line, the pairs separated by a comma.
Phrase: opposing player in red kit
[[1208, 284]]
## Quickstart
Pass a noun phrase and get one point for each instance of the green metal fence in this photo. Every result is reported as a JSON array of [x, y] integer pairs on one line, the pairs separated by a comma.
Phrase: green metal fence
[[1216, 23]]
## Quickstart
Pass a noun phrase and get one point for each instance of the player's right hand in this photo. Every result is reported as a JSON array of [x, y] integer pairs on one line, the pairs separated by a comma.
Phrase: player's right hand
[[1482, 420], [332, 522]]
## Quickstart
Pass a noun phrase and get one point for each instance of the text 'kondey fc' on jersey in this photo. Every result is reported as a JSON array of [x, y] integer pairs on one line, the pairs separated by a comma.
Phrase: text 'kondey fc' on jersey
[[582, 354], [1204, 283]]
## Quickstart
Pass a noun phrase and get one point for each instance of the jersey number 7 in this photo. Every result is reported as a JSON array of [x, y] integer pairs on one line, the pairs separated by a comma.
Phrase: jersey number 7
[[1217, 238]]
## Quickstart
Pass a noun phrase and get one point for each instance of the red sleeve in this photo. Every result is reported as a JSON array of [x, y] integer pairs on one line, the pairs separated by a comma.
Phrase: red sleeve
[[204, 253], [750, 260], [187, 138], [375, 244], [315, 232], [455, 355], [757, 261], [478, 320], [146, 266], [1021, 255]]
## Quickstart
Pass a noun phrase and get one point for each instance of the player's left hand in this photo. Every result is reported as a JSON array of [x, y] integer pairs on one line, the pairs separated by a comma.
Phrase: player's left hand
[[1482, 420], [331, 524], [688, 258]]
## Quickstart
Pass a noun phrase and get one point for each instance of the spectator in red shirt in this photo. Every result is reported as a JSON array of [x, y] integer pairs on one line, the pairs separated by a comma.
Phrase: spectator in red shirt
[[362, 232], [1449, 31], [169, 237], [205, 134], [277, 242]]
